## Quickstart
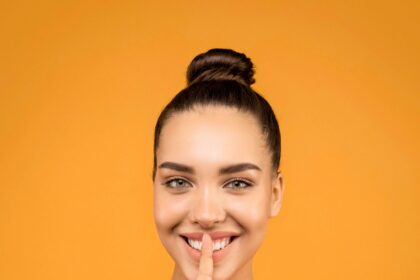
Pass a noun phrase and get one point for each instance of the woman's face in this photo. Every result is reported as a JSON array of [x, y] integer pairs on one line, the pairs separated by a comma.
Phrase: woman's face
[[214, 175]]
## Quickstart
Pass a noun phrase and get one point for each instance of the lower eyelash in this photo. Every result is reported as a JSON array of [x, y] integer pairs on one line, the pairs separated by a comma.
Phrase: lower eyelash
[[248, 184], [167, 183]]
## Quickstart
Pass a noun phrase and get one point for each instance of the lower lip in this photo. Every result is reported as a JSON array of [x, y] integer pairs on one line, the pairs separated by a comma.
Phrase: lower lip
[[217, 255]]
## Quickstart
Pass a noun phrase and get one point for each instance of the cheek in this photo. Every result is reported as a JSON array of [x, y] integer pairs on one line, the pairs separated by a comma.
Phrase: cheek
[[168, 210], [251, 211]]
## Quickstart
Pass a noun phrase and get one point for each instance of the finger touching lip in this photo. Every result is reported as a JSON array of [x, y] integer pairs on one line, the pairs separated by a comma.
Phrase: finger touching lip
[[214, 235]]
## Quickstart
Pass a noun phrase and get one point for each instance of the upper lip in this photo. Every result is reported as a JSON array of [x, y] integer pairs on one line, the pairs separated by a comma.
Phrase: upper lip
[[214, 235]]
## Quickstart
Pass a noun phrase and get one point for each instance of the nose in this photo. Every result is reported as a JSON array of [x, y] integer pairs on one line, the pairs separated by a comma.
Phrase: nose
[[207, 209]]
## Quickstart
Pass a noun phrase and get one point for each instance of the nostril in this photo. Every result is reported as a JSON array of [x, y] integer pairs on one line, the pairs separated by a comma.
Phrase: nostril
[[207, 213]]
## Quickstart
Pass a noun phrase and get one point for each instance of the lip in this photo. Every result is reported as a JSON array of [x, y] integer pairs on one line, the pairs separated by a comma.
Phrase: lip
[[217, 255], [214, 235]]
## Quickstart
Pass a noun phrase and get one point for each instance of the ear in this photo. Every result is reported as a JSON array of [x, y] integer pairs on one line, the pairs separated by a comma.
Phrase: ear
[[277, 189]]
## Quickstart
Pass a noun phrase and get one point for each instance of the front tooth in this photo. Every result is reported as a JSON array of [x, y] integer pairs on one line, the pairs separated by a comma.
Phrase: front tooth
[[218, 245], [214, 246]]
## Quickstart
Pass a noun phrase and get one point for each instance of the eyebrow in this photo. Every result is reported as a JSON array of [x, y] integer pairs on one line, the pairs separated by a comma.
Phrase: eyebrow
[[177, 167], [224, 170]]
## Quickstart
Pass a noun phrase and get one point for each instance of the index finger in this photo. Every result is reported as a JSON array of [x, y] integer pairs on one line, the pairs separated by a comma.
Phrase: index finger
[[205, 269]]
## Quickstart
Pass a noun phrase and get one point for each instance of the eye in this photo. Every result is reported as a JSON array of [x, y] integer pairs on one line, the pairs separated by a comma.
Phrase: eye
[[238, 184], [177, 183]]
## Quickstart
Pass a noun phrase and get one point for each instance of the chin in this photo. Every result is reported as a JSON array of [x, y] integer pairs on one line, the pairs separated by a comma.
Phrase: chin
[[221, 271]]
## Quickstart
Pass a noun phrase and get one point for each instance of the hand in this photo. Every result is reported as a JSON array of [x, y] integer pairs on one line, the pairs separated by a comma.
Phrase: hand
[[205, 269]]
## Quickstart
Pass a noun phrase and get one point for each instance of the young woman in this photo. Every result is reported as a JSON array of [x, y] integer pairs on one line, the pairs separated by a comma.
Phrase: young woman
[[215, 173]]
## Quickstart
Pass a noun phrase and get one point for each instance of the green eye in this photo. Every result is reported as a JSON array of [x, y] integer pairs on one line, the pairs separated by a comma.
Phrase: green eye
[[238, 184], [177, 183]]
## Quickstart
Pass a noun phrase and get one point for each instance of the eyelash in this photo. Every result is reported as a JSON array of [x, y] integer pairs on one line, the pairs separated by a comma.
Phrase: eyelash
[[240, 180], [247, 183], [167, 183]]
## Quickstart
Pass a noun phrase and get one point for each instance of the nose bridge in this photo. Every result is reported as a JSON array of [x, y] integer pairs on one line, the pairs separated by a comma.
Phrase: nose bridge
[[207, 207]]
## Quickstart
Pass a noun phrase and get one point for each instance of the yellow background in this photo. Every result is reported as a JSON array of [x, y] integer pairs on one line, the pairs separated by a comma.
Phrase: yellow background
[[82, 83]]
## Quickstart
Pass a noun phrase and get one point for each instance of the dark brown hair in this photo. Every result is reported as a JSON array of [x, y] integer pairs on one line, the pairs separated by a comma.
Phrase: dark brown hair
[[223, 77]]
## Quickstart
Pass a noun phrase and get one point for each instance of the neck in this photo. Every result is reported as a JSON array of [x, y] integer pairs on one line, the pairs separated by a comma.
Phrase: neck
[[245, 273]]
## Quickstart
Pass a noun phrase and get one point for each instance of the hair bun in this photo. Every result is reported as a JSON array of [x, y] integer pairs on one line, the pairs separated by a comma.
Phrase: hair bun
[[221, 64]]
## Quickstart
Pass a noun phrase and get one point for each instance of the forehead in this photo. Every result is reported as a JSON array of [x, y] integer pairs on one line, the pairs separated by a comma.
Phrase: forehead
[[212, 136]]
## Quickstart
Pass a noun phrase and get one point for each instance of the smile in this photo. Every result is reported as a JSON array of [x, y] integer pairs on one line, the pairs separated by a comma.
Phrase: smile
[[221, 243], [217, 244]]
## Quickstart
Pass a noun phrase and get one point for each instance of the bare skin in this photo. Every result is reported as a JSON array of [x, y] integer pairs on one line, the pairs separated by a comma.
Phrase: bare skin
[[214, 179], [205, 269]]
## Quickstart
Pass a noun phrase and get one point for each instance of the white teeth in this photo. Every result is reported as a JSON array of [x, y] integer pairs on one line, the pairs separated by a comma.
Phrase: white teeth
[[217, 245], [195, 244]]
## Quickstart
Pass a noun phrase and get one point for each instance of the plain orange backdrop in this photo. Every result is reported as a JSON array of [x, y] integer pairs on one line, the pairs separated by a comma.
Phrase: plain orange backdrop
[[83, 82]]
